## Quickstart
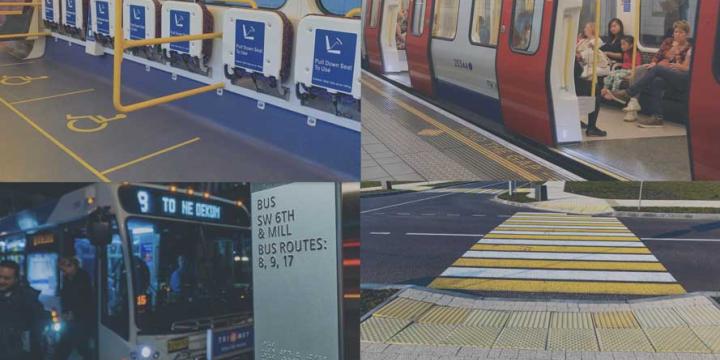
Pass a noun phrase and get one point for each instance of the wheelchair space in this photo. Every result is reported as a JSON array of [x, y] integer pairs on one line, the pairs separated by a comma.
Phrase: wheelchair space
[[59, 125], [635, 152]]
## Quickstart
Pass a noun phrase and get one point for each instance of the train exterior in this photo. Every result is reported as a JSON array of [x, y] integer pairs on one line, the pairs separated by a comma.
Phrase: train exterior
[[510, 64], [130, 238]]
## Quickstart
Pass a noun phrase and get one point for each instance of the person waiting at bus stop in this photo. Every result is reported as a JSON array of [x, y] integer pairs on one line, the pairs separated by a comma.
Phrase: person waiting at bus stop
[[76, 299], [22, 317]]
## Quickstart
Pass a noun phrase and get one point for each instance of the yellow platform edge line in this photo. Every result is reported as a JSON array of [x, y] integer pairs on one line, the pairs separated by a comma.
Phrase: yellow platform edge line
[[575, 287]]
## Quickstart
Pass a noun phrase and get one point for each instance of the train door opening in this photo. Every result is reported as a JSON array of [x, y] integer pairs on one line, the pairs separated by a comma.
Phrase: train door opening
[[635, 145], [393, 35]]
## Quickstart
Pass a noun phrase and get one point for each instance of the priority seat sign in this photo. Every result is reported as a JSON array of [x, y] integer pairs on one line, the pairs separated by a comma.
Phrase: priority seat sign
[[334, 60], [102, 10], [249, 44], [137, 22], [179, 26]]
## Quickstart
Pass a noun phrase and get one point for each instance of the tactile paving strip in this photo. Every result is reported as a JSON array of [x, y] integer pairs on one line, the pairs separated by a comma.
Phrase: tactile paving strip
[[444, 315], [403, 309], [422, 334], [529, 319], [615, 320], [623, 340], [380, 329], [522, 338], [473, 336], [701, 315], [659, 318], [675, 340], [572, 340], [710, 335], [489, 318], [571, 320]]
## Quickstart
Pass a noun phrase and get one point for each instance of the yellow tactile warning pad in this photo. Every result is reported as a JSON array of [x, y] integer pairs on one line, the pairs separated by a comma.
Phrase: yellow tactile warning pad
[[402, 308], [422, 334], [623, 340], [473, 336], [444, 315], [559, 253], [572, 340], [615, 320], [529, 319], [571, 320], [376, 329], [521, 338], [700, 315], [710, 335], [675, 340], [489, 318], [659, 318]]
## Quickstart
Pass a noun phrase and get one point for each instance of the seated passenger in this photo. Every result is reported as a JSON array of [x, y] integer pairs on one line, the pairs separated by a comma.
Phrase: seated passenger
[[483, 30], [585, 54], [612, 47], [401, 29], [616, 77], [669, 67]]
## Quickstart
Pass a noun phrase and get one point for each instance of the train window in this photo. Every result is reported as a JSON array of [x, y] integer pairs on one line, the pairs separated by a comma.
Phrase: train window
[[485, 22], [115, 289], [608, 11], [418, 18], [526, 26], [374, 12], [658, 16], [334, 7], [446, 18]]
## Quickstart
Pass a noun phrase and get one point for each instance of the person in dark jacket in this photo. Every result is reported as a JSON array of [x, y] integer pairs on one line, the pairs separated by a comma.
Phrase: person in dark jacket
[[22, 316], [76, 299]]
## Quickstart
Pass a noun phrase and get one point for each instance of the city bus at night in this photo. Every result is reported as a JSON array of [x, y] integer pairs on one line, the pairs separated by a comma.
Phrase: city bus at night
[[132, 239]]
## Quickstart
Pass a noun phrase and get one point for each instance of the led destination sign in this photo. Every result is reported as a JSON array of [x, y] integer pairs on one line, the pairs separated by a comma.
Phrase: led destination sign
[[156, 202]]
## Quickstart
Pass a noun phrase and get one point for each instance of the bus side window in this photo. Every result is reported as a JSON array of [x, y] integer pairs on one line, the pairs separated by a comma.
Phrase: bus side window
[[485, 22], [115, 290], [658, 16], [526, 26], [418, 18], [446, 18]]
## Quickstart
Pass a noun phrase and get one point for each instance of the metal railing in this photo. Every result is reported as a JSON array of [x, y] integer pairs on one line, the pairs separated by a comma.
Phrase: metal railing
[[353, 12], [16, 13]]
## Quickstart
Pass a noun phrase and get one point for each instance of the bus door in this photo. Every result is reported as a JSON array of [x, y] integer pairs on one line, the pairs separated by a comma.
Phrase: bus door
[[114, 308], [704, 125], [523, 67], [418, 45], [373, 20]]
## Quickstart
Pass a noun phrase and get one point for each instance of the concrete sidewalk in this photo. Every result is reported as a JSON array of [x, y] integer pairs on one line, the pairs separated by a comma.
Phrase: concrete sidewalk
[[425, 324]]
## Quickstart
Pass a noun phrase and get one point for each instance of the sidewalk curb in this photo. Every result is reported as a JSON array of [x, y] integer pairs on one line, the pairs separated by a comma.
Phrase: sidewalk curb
[[674, 216], [531, 206]]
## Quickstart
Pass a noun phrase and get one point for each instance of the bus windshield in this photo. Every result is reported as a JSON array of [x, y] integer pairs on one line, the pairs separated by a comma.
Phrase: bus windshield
[[184, 271]]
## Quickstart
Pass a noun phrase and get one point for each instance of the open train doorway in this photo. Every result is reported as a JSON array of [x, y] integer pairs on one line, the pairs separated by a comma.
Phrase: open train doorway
[[644, 134]]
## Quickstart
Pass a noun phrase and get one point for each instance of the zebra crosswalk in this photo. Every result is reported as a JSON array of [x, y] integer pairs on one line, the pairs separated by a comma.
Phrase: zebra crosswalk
[[550, 252]]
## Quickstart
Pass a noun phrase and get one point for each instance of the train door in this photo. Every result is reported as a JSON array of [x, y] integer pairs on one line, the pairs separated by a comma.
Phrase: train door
[[372, 35], [417, 44], [704, 126], [523, 63]]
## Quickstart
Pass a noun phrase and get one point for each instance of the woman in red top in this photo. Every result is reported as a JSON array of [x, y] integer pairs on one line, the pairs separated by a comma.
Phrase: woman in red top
[[669, 67]]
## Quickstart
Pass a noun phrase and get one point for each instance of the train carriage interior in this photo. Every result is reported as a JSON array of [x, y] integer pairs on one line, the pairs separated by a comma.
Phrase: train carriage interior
[[462, 57]]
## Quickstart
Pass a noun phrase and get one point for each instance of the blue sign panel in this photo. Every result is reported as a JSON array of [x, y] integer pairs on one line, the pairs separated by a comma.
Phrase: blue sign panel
[[180, 25], [70, 13], [334, 60], [627, 5], [231, 341], [102, 11], [49, 11], [249, 44], [137, 22]]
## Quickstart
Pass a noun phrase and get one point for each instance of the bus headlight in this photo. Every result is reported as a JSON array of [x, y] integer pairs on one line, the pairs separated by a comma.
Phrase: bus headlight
[[145, 352], [56, 326]]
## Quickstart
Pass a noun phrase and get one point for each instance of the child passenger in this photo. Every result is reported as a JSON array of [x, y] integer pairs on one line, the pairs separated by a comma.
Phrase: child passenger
[[616, 77]]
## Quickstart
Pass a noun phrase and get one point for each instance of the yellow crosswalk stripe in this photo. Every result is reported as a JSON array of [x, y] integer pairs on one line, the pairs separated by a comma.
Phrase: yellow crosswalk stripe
[[574, 287], [561, 237], [559, 223], [510, 228], [565, 249], [560, 264]]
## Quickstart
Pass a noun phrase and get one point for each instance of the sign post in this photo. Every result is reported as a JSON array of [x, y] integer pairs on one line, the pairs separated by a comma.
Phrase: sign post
[[297, 271]]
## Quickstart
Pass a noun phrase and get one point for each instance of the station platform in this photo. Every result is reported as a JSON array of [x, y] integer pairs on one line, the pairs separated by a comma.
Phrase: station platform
[[406, 138], [59, 124]]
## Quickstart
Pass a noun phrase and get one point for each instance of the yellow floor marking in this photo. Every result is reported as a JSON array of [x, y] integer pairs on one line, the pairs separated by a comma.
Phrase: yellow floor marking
[[151, 155], [560, 264], [458, 136], [561, 237], [53, 96], [55, 141], [583, 287], [553, 230], [562, 249]]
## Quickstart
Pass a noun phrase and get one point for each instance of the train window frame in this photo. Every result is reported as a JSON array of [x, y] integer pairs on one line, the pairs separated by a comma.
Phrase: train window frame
[[497, 29], [539, 33], [653, 47], [323, 8], [374, 19], [415, 17], [457, 20]]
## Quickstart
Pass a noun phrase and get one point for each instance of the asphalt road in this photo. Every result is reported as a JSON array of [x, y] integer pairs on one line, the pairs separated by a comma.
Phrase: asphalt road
[[411, 238]]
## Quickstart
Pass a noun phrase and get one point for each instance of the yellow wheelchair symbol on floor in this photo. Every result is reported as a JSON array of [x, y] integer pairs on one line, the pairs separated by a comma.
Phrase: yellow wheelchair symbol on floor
[[19, 80], [98, 122]]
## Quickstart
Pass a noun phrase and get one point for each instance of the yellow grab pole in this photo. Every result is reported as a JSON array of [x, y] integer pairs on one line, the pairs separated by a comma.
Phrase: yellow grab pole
[[121, 45], [11, 12], [636, 37], [19, 4], [252, 3], [596, 51], [354, 12], [24, 35], [569, 57]]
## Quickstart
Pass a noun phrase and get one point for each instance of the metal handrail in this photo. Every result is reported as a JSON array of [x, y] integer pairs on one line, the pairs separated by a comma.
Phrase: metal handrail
[[120, 45], [11, 12], [19, 4], [19, 12], [596, 50], [23, 35], [353, 12]]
